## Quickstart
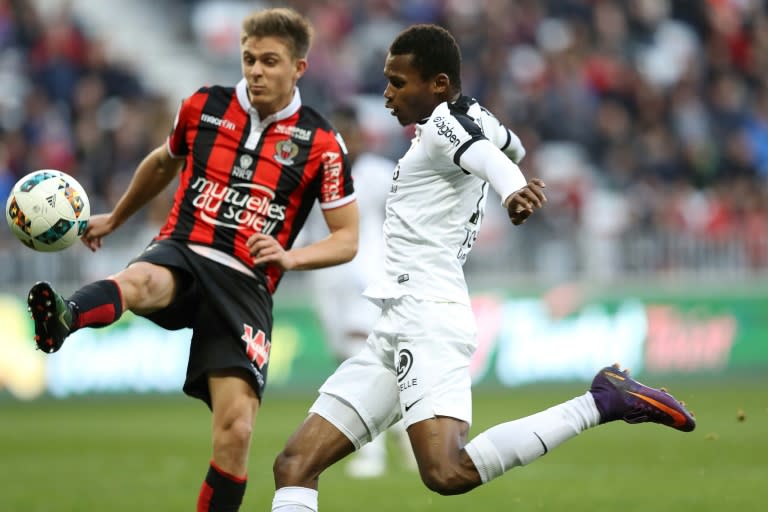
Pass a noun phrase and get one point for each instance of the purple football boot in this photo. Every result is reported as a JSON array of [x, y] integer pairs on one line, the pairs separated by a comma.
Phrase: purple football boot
[[619, 397]]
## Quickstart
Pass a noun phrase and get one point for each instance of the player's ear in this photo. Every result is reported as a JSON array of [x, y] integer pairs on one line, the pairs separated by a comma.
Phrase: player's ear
[[301, 68], [441, 83]]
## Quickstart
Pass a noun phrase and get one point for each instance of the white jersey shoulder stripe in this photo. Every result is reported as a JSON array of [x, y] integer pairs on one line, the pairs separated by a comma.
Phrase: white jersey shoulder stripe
[[460, 110]]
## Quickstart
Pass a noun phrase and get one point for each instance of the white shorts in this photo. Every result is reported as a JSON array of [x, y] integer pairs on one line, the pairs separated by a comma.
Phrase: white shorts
[[415, 365]]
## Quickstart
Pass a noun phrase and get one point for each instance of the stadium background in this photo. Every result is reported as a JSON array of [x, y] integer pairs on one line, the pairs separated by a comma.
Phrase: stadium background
[[649, 121]]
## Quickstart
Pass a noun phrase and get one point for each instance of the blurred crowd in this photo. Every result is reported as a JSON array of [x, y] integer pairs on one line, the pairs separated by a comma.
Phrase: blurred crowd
[[648, 119], [67, 105]]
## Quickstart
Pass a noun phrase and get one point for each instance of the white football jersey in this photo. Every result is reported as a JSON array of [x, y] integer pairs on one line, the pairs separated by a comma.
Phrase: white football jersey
[[435, 207]]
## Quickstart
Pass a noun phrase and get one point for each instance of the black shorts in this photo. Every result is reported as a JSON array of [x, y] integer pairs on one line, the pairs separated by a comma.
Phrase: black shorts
[[230, 315]]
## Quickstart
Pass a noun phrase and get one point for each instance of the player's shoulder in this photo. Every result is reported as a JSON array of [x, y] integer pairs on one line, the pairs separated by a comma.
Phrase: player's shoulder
[[310, 117], [214, 90], [312, 121], [207, 97], [464, 105], [488, 124], [452, 122], [472, 108], [322, 131], [464, 109]]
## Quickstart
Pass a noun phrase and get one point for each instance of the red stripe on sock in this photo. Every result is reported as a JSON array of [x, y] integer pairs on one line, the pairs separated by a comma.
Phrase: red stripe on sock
[[104, 314], [238, 479], [204, 500]]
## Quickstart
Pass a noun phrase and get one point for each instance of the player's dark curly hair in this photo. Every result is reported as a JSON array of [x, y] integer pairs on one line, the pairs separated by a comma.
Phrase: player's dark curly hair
[[282, 22], [434, 51]]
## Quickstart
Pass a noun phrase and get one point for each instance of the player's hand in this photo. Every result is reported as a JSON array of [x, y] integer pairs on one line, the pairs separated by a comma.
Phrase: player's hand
[[266, 249], [521, 204], [99, 226]]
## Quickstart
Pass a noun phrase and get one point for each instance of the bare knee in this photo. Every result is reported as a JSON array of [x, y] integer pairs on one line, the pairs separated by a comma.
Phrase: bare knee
[[234, 432], [310, 450], [233, 422], [444, 466], [448, 479], [145, 287], [235, 405]]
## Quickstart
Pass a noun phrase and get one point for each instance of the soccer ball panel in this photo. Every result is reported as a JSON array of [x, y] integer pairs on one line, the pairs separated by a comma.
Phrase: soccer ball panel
[[47, 210]]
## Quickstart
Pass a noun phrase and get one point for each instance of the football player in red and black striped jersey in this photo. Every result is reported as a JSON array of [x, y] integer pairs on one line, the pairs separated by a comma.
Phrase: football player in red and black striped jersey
[[249, 161]]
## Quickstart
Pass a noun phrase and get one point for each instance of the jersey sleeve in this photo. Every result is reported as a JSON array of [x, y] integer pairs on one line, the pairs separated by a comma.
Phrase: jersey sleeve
[[336, 186], [177, 142], [487, 162], [447, 134], [502, 137], [457, 136]]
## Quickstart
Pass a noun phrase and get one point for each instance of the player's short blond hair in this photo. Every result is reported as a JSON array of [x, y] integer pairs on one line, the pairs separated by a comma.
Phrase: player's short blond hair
[[283, 22]]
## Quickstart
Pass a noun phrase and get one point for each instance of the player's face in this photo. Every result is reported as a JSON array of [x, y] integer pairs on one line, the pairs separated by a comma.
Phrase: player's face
[[410, 98], [271, 73]]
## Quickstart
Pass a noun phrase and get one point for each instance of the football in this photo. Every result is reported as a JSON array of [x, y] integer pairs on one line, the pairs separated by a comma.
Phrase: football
[[47, 210]]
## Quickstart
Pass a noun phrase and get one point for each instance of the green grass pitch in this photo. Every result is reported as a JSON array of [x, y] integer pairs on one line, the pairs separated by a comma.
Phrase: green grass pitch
[[131, 453]]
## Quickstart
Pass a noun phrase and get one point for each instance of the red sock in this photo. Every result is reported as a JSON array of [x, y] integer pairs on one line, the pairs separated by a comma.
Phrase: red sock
[[221, 491], [97, 304]]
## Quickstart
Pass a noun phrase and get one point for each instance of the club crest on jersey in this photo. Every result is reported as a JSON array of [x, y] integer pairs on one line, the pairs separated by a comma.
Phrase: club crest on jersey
[[286, 151], [243, 170]]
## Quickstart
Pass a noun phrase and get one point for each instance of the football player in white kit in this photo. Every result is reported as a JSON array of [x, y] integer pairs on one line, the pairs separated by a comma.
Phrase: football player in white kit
[[415, 364], [344, 313]]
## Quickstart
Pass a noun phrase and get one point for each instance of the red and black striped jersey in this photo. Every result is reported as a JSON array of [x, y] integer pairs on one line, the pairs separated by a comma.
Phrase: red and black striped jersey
[[244, 175]]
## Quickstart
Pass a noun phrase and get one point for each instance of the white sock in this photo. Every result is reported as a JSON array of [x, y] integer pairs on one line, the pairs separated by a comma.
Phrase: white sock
[[295, 499], [519, 442]]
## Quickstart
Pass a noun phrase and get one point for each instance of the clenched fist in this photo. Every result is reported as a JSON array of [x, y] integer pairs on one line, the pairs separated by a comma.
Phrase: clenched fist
[[520, 204]]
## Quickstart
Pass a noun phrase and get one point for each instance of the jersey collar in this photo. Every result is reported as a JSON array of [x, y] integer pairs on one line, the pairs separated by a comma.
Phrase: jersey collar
[[288, 111]]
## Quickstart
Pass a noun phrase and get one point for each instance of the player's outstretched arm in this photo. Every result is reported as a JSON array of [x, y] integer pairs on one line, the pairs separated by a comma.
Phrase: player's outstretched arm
[[485, 160], [521, 203], [152, 175]]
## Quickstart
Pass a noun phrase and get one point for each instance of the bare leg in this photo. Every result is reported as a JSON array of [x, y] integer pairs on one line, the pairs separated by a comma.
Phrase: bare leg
[[234, 404], [314, 447]]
